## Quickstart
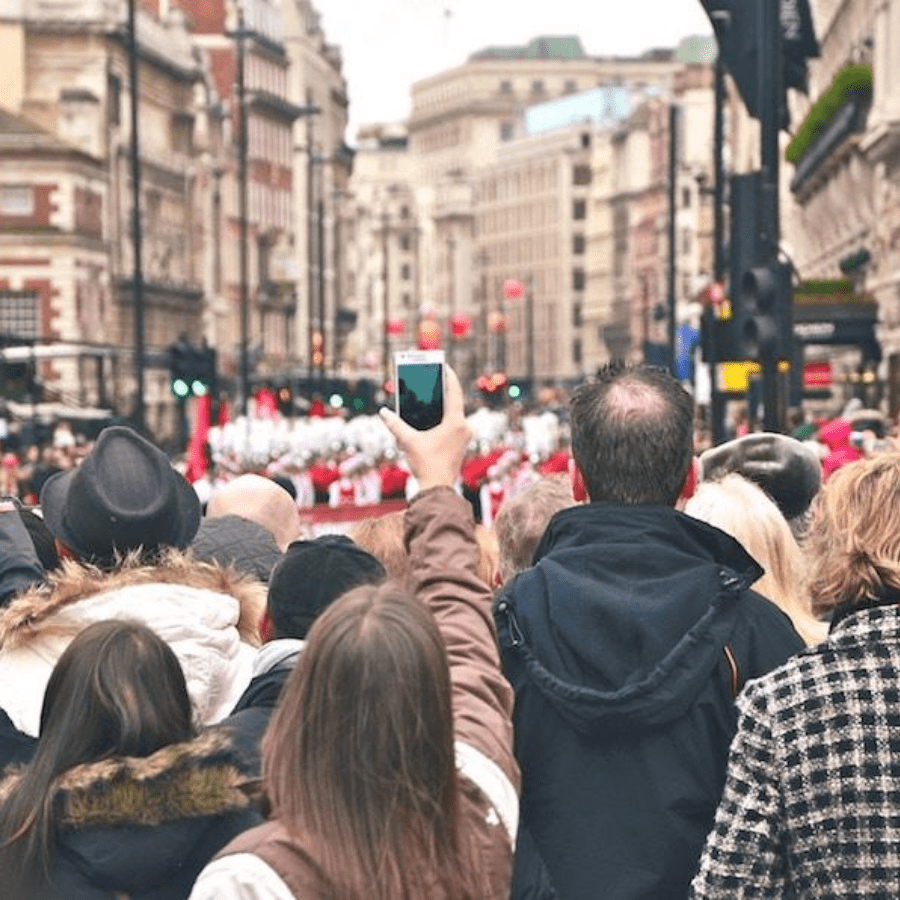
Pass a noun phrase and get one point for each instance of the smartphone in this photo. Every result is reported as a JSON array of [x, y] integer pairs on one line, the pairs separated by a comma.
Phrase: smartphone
[[419, 377]]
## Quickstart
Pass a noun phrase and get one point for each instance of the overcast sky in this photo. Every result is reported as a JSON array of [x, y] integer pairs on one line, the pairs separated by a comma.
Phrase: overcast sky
[[389, 44]]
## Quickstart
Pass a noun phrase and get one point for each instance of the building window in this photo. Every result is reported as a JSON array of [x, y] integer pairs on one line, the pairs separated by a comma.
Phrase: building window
[[570, 86], [686, 241], [407, 300], [182, 133], [686, 197], [404, 242], [578, 279], [506, 87], [405, 272], [19, 315], [581, 174], [404, 212], [585, 139], [577, 351], [577, 316], [507, 129], [537, 86], [113, 98], [578, 244], [579, 209], [17, 200]]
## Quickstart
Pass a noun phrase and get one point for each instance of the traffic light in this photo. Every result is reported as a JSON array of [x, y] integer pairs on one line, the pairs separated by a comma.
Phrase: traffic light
[[192, 370], [180, 362], [764, 321]]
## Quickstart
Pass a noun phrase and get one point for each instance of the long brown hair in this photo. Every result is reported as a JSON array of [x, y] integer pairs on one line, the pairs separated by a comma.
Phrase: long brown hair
[[116, 690], [359, 754]]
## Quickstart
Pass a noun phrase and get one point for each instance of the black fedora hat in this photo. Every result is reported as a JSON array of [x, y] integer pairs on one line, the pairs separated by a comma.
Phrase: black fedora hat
[[123, 496]]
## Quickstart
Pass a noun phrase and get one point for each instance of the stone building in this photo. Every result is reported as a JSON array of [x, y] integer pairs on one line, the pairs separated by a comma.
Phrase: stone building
[[67, 73], [68, 95], [499, 160], [841, 211], [54, 272]]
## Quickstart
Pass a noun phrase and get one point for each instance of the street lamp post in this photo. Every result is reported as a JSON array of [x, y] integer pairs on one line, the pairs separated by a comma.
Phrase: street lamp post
[[242, 216], [385, 298], [138, 273]]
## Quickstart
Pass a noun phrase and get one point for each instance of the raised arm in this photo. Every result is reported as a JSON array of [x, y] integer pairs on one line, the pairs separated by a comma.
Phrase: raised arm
[[440, 538]]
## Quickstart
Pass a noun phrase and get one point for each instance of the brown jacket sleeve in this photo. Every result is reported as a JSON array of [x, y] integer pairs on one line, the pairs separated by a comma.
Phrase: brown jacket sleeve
[[440, 538]]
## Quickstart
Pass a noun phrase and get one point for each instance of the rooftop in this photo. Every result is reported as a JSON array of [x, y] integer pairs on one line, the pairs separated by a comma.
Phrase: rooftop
[[544, 47]]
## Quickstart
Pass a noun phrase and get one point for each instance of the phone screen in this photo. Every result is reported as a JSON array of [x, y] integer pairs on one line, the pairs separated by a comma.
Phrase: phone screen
[[420, 388]]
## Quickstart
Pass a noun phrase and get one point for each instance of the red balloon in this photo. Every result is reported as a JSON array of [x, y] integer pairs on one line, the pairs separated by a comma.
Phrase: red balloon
[[512, 289], [395, 326], [429, 335], [460, 325]]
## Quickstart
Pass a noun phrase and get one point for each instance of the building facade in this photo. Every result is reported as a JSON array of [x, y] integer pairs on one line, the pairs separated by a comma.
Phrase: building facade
[[841, 209]]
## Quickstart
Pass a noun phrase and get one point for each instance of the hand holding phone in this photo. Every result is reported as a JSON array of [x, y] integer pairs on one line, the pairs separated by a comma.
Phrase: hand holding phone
[[435, 455], [420, 386]]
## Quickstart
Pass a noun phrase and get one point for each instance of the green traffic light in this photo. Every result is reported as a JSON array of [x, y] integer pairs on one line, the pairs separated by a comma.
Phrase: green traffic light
[[180, 388], [515, 391], [198, 388]]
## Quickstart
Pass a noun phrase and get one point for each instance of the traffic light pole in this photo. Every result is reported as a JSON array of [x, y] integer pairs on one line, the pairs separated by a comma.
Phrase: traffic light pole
[[716, 404], [770, 75]]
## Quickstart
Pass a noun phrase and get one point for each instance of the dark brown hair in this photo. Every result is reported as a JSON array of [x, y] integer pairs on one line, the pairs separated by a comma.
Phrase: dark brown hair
[[359, 754], [117, 690], [632, 434]]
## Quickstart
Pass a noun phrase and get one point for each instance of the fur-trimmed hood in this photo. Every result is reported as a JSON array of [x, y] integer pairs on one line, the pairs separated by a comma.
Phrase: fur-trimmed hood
[[134, 825], [75, 581], [207, 614]]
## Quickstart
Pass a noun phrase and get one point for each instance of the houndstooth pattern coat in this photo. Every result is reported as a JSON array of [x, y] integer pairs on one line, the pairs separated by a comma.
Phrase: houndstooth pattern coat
[[811, 806]]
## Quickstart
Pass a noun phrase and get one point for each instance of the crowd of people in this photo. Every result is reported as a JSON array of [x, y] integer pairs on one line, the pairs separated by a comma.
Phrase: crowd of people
[[590, 656]]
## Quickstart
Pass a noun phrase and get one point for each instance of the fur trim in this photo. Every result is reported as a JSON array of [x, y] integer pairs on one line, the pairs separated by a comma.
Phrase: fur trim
[[75, 581], [178, 782]]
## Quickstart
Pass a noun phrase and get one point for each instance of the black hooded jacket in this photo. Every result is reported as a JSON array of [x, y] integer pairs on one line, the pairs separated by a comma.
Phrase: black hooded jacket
[[626, 643]]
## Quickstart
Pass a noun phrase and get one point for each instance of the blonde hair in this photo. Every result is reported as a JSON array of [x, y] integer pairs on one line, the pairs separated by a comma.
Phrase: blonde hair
[[854, 538], [744, 510]]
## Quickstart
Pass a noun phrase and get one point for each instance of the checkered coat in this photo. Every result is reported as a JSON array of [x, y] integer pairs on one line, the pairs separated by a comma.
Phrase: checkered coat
[[811, 806]]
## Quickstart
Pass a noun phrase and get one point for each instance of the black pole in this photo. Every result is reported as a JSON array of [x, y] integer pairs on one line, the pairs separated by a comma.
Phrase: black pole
[[320, 236], [529, 333], [138, 272], [385, 299], [451, 275], [673, 248], [716, 404], [336, 279], [242, 215], [769, 77], [310, 246]]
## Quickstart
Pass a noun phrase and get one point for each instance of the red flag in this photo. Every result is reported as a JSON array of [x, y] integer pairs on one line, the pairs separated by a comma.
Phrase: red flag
[[196, 467]]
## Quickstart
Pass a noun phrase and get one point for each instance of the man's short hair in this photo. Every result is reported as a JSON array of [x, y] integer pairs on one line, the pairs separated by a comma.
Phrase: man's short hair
[[523, 519], [632, 434]]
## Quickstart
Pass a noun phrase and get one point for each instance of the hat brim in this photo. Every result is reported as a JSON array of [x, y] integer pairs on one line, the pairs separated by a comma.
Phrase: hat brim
[[54, 504]]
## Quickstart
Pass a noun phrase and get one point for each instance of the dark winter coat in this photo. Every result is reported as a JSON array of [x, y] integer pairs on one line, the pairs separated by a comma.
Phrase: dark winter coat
[[248, 722], [626, 644], [143, 828]]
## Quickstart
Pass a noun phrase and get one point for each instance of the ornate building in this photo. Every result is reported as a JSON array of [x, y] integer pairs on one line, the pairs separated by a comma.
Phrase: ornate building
[[842, 207]]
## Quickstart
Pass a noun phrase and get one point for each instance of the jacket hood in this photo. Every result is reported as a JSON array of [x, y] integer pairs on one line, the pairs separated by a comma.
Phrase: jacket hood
[[130, 824], [74, 581], [625, 614]]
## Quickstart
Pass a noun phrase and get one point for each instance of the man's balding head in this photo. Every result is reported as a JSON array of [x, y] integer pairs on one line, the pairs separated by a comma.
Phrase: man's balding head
[[260, 500], [632, 435]]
